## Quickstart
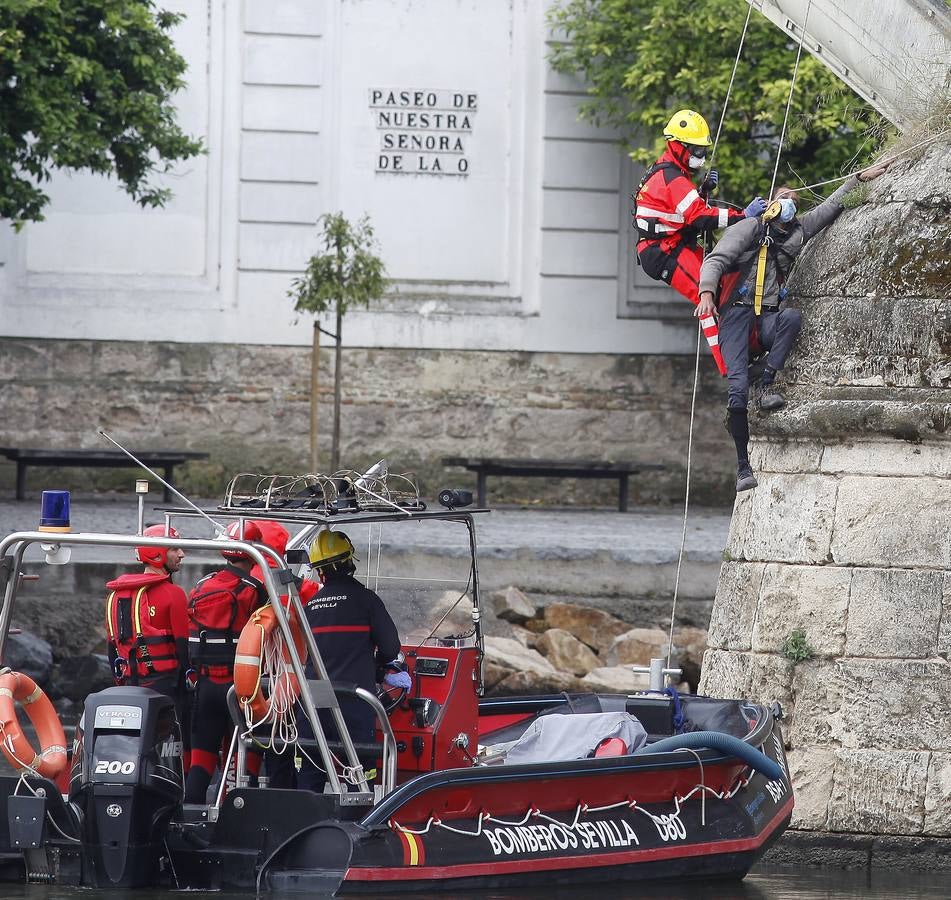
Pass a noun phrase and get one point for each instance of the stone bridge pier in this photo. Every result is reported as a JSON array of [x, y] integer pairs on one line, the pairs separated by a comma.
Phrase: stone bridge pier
[[846, 541]]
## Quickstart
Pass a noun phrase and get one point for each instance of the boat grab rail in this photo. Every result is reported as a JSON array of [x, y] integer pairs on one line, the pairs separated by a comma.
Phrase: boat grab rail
[[18, 541]]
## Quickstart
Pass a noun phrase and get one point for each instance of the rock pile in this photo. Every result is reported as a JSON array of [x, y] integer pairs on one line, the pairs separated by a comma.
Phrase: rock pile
[[567, 647]]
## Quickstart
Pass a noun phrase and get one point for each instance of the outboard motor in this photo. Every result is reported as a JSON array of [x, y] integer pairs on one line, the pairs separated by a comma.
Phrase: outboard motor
[[128, 780]]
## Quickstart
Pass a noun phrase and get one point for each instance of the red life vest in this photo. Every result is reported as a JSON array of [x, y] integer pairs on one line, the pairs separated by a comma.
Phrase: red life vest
[[148, 650], [219, 606]]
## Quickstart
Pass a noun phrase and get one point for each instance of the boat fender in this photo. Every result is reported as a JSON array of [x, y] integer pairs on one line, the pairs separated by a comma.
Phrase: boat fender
[[717, 740], [51, 760]]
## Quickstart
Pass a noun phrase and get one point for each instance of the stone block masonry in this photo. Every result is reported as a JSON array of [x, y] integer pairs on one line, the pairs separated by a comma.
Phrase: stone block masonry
[[845, 541], [248, 406]]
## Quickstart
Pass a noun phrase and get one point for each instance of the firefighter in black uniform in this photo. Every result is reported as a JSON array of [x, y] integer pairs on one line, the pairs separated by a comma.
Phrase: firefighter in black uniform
[[355, 636]]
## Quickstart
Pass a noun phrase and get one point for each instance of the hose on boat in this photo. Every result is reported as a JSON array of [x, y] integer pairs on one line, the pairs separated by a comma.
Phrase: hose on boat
[[717, 740]]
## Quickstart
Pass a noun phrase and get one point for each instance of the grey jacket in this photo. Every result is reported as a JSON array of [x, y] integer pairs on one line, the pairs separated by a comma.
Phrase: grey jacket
[[739, 246]]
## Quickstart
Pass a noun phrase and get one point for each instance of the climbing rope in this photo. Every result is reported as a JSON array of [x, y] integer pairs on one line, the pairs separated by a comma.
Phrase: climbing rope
[[683, 536], [729, 90], [696, 375], [792, 87], [696, 372]]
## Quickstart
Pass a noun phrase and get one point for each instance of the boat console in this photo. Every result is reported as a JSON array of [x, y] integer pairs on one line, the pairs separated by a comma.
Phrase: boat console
[[436, 724]]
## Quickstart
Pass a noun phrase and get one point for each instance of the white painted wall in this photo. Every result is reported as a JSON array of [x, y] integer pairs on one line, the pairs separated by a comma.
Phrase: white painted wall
[[528, 250]]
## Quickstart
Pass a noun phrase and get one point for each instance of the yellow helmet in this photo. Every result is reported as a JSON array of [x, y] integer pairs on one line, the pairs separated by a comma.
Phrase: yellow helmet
[[330, 548], [688, 127]]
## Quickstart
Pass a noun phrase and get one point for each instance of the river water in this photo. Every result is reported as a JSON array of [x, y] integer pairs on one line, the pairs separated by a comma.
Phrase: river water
[[764, 883]]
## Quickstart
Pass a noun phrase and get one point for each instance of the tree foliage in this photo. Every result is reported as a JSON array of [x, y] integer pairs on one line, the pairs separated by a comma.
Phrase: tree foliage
[[346, 274], [87, 85], [645, 59]]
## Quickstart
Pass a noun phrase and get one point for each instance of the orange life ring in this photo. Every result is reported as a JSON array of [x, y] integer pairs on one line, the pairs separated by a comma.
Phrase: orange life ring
[[248, 658], [51, 760]]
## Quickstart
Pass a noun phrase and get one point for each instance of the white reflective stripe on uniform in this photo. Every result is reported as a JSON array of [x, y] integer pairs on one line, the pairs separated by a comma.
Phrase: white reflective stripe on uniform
[[198, 640], [685, 203], [658, 226], [659, 214], [723, 219]]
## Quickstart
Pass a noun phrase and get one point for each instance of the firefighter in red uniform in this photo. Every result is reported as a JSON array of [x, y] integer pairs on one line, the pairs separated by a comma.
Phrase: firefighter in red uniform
[[219, 606], [147, 626], [671, 213]]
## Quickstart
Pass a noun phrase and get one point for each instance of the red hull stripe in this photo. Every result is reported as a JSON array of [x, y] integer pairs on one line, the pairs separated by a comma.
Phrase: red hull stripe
[[326, 629], [501, 867]]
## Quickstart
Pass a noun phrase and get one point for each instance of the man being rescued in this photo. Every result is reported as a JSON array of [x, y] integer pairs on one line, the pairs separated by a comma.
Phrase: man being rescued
[[671, 214], [742, 281]]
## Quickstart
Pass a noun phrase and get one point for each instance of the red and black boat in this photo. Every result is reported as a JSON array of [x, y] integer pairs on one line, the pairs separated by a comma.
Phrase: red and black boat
[[472, 791]]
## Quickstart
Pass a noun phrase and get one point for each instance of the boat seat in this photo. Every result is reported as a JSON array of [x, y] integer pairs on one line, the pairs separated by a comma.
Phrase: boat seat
[[260, 736]]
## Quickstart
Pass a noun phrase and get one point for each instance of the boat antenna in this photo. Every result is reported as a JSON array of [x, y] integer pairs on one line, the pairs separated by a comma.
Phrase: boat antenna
[[219, 528]]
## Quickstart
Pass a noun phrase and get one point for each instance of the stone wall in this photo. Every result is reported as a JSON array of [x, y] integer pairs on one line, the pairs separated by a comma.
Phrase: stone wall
[[249, 407], [846, 538]]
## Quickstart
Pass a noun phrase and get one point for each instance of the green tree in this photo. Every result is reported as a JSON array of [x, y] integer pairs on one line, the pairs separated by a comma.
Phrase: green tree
[[644, 59], [346, 274], [87, 85]]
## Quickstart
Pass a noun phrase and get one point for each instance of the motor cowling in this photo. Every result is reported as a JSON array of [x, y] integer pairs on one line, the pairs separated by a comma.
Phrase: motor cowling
[[128, 780]]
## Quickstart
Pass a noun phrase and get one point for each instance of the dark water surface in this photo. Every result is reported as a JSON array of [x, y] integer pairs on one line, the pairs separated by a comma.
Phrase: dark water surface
[[764, 883]]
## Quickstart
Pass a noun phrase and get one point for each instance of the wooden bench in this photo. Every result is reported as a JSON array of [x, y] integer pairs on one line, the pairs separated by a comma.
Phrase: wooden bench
[[551, 468], [98, 459]]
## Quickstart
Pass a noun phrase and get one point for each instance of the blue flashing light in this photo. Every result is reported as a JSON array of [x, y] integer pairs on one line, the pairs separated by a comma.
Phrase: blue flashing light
[[54, 511]]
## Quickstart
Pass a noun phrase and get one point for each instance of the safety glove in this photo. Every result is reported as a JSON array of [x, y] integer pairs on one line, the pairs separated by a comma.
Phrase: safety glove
[[709, 184], [398, 680], [756, 208]]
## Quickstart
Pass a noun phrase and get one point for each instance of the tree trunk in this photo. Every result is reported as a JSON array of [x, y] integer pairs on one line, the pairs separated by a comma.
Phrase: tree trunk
[[314, 370], [335, 453]]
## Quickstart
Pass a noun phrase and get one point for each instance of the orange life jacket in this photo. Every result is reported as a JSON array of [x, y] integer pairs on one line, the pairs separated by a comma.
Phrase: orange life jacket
[[148, 650]]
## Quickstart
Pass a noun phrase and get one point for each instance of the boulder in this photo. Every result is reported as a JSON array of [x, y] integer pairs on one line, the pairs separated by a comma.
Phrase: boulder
[[690, 643], [493, 673], [637, 647], [593, 626], [27, 653], [78, 676], [512, 605], [566, 653], [535, 683], [509, 653], [458, 615], [614, 679], [523, 635]]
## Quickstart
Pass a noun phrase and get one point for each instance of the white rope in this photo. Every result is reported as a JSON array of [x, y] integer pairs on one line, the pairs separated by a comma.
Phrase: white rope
[[792, 87], [729, 90], [885, 162], [683, 536]]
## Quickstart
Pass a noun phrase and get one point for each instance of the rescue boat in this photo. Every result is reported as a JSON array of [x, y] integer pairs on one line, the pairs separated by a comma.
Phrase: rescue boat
[[471, 791]]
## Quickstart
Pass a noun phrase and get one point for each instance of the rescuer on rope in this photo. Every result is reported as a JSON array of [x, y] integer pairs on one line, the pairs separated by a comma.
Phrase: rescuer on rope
[[742, 281], [671, 213]]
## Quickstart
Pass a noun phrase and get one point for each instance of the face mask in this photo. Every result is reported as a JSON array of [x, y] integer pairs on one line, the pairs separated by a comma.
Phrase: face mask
[[788, 210], [695, 162]]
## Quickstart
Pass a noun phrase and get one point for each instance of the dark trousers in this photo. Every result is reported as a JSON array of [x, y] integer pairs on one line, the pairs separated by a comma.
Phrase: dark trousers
[[210, 723], [777, 334]]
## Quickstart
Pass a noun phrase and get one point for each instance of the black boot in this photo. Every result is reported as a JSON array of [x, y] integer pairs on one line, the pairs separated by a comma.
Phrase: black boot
[[739, 427], [767, 397], [745, 479]]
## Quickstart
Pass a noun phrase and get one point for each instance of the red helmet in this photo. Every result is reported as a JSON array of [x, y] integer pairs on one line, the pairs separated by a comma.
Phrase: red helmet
[[251, 534], [155, 556], [274, 535]]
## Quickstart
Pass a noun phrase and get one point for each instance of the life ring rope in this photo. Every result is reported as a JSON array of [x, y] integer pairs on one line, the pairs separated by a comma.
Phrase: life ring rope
[[16, 687]]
